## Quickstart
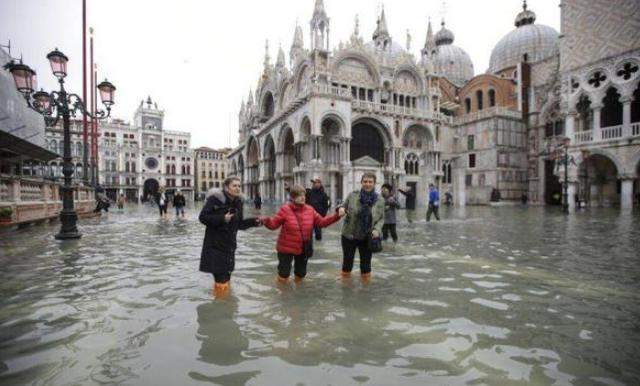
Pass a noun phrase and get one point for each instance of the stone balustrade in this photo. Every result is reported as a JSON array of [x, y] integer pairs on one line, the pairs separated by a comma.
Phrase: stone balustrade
[[605, 134], [34, 199]]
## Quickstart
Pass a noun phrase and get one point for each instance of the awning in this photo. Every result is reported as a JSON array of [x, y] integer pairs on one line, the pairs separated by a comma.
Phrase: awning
[[14, 148]]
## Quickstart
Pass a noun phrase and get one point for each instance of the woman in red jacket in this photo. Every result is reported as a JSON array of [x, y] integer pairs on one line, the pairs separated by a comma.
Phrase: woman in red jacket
[[297, 220]]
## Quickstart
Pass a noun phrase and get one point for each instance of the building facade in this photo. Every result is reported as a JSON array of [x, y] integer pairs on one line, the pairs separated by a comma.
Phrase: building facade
[[211, 168], [138, 159], [373, 106]]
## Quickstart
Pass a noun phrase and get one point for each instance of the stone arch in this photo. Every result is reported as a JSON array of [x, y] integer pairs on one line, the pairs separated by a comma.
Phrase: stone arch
[[598, 177], [286, 145], [331, 129], [413, 72], [417, 137], [369, 137], [300, 72], [359, 57], [269, 158], [267, 105], [582, 106], [611, 113]]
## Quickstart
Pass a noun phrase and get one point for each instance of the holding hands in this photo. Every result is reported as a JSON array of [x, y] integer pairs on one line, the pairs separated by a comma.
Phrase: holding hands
[[341, 212]]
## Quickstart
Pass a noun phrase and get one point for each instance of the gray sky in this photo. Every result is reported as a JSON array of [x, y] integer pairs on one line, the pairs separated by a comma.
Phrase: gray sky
[[198, 58]]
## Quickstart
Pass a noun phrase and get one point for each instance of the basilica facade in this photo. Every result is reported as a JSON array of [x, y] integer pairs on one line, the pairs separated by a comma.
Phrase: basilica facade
[[371, 105]]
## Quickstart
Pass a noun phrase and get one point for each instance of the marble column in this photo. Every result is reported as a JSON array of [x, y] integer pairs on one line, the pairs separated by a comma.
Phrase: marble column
[[597, 109], [571, 193], [626, 194], [626, 116], [569, 125]]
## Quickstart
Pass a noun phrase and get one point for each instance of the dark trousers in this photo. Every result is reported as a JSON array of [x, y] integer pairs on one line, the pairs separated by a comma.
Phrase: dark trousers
[[318, 232], [349, 251], [163, 209], [299, 265], [222, 277], [433, 209], [389, 229]]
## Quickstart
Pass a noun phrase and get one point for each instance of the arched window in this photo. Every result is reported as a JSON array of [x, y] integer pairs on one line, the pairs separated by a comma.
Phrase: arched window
[[412, 165], [173, 169], [492, 97], [133, 167], [585, 115], [635, 105], [168, 169], [467, 105], [611, 114], [479, 97], [126, 167]]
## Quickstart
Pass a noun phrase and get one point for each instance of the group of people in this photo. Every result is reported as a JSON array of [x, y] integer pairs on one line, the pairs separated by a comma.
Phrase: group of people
[[178, 202], [365, 213]]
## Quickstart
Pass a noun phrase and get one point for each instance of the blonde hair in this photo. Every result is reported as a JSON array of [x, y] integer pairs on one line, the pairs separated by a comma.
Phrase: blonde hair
[[297, 191]]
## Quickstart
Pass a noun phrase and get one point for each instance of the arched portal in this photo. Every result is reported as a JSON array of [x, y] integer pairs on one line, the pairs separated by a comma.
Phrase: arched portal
[[253, 167], [241, 169], [270, 168], [303, 148], [367, 140], [598, 181], [288, 158], [150, 189]]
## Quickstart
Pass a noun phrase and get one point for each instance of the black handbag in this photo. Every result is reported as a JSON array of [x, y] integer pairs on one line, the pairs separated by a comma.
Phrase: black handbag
[[375, 244], [307, 245]]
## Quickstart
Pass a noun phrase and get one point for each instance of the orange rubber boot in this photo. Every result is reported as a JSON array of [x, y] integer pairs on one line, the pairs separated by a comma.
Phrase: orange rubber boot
[[366, 277], [282, 280], [220, 290], [345, 274]]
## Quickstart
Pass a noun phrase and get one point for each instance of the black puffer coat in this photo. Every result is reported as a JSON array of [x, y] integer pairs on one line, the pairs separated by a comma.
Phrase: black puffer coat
[[319, 200], [219, 245]]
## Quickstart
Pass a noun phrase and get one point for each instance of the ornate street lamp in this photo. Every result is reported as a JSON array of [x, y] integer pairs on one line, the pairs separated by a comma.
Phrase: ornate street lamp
[[56, 105]]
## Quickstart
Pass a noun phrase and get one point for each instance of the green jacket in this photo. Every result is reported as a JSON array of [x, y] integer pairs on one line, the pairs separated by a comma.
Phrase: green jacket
[[352, 207]]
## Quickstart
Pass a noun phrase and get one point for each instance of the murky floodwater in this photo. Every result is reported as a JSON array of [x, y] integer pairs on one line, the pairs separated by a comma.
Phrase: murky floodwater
[[487, 296]]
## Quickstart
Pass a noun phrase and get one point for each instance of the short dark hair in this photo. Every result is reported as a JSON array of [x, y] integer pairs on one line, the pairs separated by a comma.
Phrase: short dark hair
[[388, 186], [229, 180], [368, 175]]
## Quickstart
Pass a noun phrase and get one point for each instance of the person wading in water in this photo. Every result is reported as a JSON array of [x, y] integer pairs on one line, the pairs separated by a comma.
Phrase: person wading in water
[[222, 214], [364, 210], [297, 220]]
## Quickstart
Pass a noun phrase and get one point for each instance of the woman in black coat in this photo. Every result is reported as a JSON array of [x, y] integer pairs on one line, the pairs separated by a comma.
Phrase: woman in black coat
[[222, 214]]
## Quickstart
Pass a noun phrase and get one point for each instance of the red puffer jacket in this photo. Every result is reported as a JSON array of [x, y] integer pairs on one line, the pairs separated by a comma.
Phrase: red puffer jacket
[[290, 240]]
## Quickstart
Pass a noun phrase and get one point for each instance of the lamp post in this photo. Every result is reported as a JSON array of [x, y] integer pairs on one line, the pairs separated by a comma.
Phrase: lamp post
[[56, 105]]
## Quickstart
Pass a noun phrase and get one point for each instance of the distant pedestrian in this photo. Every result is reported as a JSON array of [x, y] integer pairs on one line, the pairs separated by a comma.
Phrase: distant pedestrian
[[297, 220], [179, 202], [434, 203], [222, 215], [319, 200], [257, 201], [390, 206], [524, 199], [121, 201], [409, 202], [362, 226], [448, 198], [161, 200]]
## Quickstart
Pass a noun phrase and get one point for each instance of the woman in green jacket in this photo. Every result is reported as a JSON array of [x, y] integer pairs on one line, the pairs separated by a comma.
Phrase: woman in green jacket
[[364, 211]]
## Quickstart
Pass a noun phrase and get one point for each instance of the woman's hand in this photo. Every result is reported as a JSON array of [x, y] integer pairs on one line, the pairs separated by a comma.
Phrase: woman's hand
[[341, 212], [375, 234]]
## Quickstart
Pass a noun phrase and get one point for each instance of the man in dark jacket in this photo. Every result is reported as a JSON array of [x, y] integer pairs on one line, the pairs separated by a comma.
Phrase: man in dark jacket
[[222, 214], [179, 202], [319, 200]]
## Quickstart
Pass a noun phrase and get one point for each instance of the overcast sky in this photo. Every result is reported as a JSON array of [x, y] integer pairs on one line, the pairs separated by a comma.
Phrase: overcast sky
[[199, 58]]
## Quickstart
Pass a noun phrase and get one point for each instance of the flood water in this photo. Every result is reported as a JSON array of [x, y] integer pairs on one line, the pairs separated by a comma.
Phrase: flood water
[[487, 296]]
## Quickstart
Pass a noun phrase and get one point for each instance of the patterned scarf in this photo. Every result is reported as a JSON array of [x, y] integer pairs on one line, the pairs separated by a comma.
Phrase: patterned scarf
[[367, 200]]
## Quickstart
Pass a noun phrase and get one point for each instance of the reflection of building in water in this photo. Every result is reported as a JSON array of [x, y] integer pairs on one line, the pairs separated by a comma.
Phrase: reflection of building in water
[[336, 112]]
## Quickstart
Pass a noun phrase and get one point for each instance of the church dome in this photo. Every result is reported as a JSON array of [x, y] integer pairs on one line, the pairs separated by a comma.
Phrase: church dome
[[536, 41], [451, 61]]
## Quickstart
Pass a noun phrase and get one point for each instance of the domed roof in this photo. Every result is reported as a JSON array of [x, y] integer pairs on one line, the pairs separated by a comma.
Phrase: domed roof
[[451, 61], [537, 41]]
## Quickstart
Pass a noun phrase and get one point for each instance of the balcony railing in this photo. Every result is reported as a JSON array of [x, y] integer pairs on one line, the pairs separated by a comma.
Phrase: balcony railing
[[497, 111], [609, 133]]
